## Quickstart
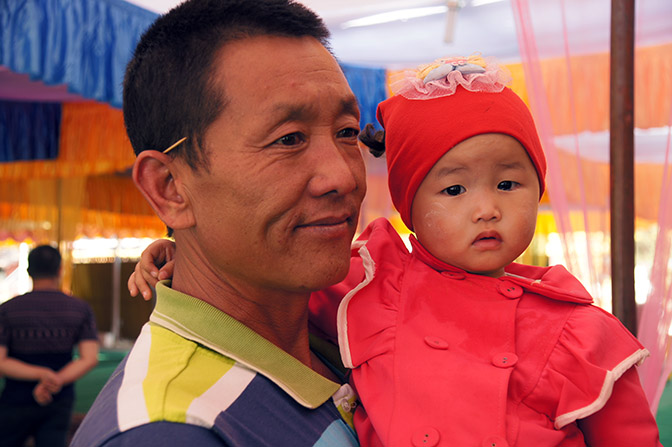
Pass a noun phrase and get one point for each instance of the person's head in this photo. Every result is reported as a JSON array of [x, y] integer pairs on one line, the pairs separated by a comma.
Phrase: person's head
[[466, 168], [44, 262], [169, 86], [277, 205]]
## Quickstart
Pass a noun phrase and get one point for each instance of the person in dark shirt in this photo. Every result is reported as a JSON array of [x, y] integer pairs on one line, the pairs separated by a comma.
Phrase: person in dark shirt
[[38, 331]]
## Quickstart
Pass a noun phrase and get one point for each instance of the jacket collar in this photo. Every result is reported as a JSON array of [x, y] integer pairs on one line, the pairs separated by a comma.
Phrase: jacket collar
[[553, 282]]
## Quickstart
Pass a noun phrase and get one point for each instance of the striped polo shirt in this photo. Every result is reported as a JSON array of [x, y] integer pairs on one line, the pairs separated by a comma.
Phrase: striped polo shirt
[[196, 376]]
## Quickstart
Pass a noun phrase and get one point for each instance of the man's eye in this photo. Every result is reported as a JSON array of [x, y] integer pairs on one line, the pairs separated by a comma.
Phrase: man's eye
[[290, 140], [507, 185], [455, 190], [350, 132]]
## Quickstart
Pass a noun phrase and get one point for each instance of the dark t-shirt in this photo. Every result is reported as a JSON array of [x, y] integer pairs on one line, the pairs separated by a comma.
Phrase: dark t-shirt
[[42, 328]]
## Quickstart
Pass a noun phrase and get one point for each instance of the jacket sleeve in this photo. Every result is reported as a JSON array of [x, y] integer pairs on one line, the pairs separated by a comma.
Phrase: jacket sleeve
[[590, 357], [625, 416]]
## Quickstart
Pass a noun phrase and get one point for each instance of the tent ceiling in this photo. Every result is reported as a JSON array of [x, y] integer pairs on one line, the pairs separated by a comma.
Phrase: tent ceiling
[[485, 26]]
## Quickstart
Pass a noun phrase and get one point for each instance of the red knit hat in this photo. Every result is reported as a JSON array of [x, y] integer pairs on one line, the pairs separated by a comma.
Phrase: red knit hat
[[418, 132]]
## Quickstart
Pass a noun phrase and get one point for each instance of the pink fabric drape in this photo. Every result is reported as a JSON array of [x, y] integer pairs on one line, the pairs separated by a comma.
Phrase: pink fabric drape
[[655, 319], [583, 226], [656, 315], [578, 235]]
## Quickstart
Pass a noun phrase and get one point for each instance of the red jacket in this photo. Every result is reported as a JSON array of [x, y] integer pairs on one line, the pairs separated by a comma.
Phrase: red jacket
[[441, 357]]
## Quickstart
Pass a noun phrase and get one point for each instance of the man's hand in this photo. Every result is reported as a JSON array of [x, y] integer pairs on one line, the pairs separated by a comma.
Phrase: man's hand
[[41, 395], [50, 381]]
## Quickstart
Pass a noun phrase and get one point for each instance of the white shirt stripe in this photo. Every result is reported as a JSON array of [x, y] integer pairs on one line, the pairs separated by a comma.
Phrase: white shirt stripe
[[131, 406], [205, 408]]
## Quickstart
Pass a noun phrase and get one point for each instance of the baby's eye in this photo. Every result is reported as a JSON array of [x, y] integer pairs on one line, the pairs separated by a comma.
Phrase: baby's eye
[[507, 185], [455, 190], [291, 139]]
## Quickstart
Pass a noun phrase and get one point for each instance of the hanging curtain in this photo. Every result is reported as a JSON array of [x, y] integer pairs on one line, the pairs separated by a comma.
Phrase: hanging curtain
[[90, 139], [29, 131], [85, 190], [568, 94], [370, 87], [655, 320]]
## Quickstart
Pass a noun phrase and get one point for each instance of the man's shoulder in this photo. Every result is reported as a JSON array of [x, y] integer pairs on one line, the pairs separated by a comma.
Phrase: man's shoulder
[[167, 380], [112, 421], [161, 434], [30, 298], [160, 380]]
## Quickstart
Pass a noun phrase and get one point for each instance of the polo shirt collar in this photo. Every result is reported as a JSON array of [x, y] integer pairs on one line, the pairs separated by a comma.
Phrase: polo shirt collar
[[202, 323]]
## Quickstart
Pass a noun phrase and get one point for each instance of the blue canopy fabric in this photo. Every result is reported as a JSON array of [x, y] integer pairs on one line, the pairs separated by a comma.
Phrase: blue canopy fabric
[[370, 87], [84, 44]]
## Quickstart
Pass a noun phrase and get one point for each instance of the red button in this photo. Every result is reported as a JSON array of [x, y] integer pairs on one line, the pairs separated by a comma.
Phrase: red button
[[453, 275], [495, 441], [436, 342], [425, 437], [505, 360], [510, 290]]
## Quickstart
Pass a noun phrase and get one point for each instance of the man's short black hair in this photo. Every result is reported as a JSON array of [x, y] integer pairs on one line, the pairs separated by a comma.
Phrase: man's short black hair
[[44, 261], [168, 91]]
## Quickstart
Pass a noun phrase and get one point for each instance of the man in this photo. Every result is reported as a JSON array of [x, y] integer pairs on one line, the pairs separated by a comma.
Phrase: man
[[38, 332], [263, 199]]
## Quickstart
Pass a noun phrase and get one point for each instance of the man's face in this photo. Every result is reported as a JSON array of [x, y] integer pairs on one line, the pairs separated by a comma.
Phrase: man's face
[[279, 206], [477, 207]]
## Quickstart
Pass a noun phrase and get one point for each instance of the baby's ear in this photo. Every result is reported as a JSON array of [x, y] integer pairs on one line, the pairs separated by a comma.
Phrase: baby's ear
[[155, 175]]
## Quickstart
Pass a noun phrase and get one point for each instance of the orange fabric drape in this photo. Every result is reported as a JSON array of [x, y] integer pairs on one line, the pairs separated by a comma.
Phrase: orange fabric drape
[[64, 209], [93, 141], [114, 206], [648, 183], [81, 192], [590, 79]]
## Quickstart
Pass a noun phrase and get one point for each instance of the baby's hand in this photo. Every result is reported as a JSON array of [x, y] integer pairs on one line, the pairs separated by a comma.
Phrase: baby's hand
[[156, 263]]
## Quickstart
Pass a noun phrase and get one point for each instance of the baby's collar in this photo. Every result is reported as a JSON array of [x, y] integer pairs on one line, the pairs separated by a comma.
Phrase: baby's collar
[[552, 282], [425, 256]]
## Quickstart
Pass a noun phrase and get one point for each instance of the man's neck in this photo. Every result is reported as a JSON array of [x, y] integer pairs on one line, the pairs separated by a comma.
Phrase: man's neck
[[280, 317], [46, 284]]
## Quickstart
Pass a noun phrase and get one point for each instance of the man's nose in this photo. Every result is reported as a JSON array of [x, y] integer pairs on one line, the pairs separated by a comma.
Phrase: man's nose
[[338, 169]]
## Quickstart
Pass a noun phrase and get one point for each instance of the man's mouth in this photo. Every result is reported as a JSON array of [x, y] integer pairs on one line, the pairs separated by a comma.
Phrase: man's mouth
[[328, 221], [331, 226]]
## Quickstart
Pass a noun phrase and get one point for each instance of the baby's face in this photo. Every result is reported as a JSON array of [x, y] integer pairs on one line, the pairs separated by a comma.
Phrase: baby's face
[[477, 207]]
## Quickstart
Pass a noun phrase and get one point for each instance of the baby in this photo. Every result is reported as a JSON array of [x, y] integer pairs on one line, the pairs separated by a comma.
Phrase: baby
[[452, 343]]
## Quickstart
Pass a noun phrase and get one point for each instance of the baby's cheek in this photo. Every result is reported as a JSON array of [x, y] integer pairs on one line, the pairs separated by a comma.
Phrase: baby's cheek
[[434, 223], [433, 218]]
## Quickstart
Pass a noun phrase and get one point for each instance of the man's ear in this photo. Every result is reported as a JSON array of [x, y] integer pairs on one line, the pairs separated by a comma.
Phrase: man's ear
[[155, 174]]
